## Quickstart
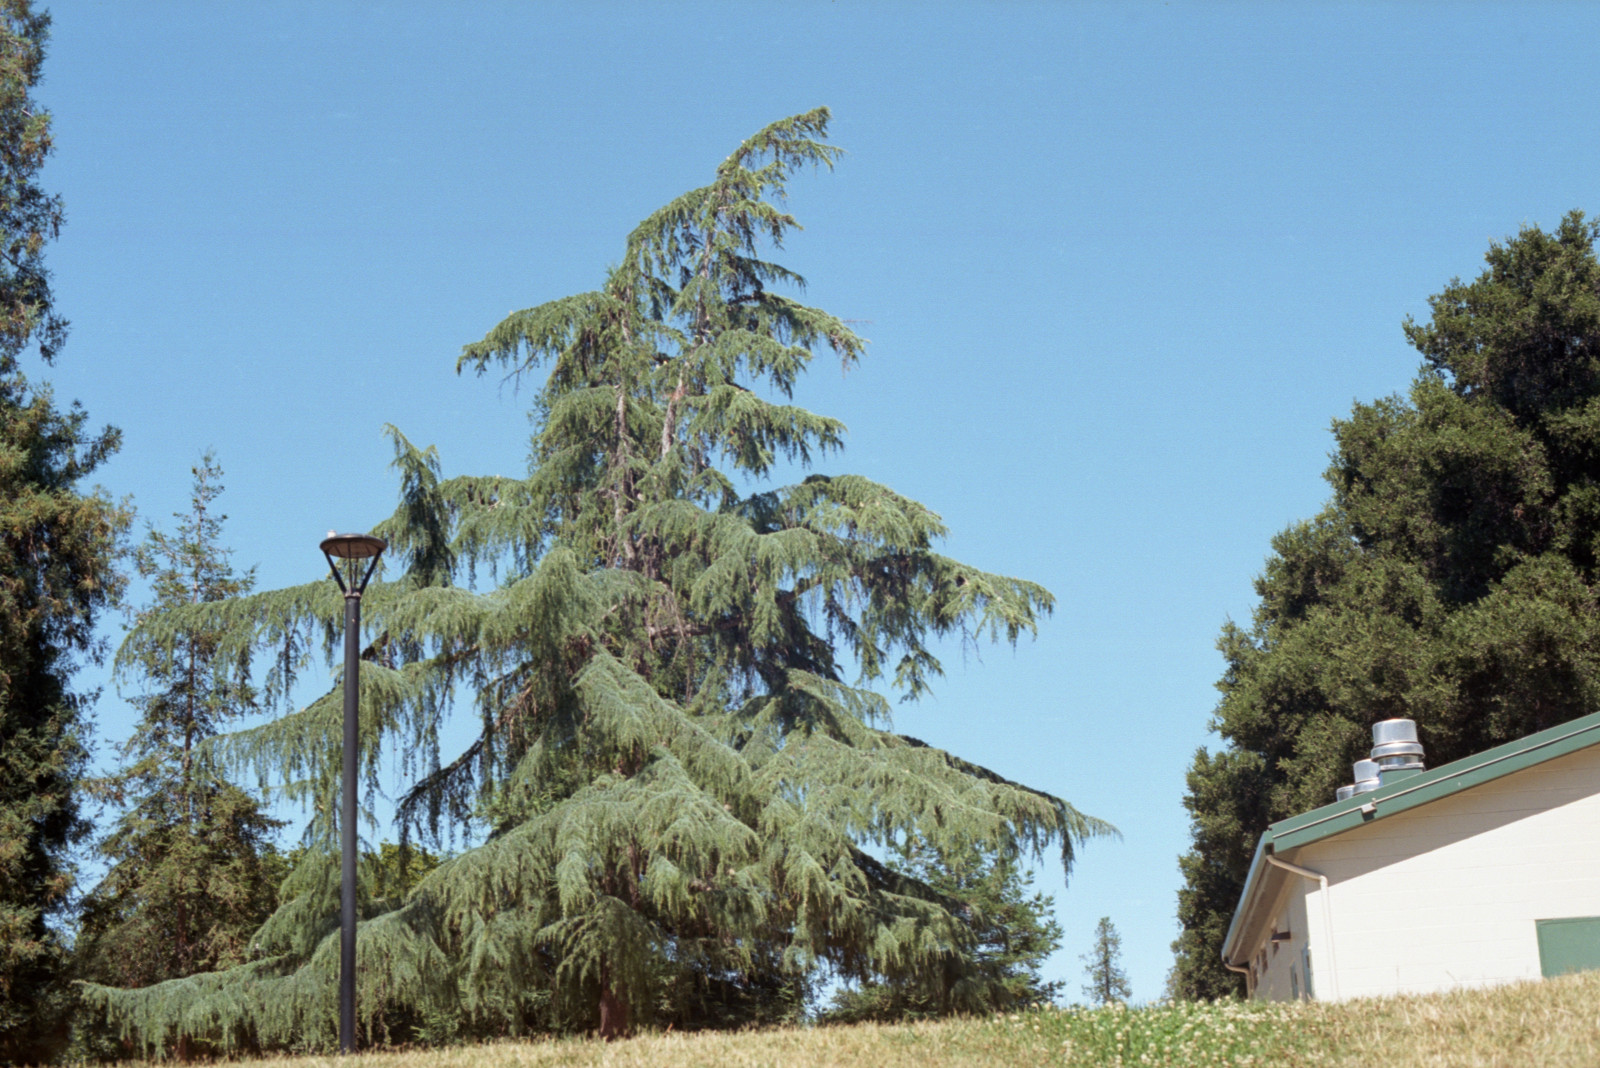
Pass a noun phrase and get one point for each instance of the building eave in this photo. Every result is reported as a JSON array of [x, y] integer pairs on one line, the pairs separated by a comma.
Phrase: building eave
[[1396, 797], [1239, 926]]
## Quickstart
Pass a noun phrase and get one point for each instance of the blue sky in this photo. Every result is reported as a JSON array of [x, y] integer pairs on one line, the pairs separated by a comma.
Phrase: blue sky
[[1120, 265]]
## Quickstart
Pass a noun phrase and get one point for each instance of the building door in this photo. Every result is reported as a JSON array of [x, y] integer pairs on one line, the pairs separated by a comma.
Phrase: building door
[[1568, 945]]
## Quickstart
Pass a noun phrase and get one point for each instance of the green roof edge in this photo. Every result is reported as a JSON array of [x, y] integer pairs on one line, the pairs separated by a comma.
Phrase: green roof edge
[[1408, 793], [1435, 783]]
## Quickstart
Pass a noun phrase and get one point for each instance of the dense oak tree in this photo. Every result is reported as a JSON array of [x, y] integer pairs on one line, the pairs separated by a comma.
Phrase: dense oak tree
[[58, 555], [1452, 577], [682, 773]]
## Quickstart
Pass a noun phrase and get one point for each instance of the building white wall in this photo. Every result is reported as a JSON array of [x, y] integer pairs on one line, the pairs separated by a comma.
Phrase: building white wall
[[1446, 894], [1279, 969]]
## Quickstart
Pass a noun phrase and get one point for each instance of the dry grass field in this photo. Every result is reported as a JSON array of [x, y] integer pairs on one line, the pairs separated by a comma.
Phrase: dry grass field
[[1554, 1023]]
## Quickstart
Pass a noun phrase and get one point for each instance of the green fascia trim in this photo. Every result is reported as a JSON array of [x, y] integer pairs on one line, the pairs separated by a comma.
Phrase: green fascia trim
[[1409, 793], [1252, 883]]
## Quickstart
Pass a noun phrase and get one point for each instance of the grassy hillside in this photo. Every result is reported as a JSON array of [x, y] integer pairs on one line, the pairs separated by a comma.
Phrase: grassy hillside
[[1555, 1023]]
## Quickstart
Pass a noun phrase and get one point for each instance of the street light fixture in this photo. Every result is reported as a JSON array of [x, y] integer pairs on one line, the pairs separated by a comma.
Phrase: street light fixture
[[352, 551]]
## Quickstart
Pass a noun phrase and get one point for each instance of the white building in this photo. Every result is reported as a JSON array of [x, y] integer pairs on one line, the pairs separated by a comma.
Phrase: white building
[[1483, 871]]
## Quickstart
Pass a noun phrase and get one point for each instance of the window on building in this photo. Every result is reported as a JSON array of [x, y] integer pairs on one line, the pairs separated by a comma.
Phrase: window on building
[[1567, 945]]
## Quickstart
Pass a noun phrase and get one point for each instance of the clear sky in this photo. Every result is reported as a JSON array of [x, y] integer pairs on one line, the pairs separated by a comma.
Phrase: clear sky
[[1120, 266]]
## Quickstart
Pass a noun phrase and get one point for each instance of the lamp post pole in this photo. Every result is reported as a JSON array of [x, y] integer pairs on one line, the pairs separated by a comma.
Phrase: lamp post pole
[[352, 550]]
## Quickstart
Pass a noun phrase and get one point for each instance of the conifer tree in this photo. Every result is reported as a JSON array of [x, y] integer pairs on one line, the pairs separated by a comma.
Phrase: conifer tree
[[1102, 965], [395, 870], [58, 554], [1013, 932], [680, 787], [1453, 577], [191, 854]]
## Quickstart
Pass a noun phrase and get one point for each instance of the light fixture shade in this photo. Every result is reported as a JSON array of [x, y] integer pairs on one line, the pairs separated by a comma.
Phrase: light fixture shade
[[353, 546]]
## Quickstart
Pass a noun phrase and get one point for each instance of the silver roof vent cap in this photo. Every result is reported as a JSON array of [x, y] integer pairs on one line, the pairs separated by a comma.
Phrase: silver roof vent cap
[[1366, 777], [1393, 738], [1394, 730]]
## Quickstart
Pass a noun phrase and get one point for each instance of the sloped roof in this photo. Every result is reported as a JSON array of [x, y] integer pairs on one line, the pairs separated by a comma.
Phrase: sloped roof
[[1401, 796]]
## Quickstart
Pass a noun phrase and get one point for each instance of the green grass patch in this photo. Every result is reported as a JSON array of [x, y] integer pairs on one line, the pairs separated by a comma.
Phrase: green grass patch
[[1550, 1024]]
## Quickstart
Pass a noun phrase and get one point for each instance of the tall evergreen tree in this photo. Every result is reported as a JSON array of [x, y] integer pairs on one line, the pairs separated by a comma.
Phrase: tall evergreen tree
[[1102, 966], [58, 554], [680, 787], [1013, 932], [1453, 577], [191, 854]]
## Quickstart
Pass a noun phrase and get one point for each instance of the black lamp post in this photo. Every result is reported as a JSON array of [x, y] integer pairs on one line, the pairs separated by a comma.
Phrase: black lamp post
[[351, 551]]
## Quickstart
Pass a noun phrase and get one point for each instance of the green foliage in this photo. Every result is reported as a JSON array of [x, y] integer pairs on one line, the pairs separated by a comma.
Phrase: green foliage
[[1181, 1035], [1012, 933], [678, 786], [393, 871], [1452, 577], [190, 857], [58, 551], [1102, 965], [29, 217]]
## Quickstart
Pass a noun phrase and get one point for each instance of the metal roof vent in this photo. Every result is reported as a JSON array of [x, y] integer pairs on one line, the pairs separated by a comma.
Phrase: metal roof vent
[[1367, 777], [1396, 749]]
